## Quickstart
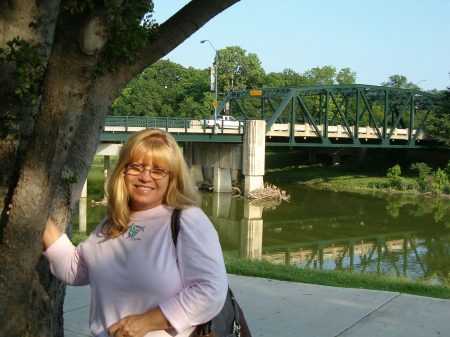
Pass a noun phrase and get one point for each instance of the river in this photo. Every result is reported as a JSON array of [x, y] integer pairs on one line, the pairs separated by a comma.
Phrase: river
[[372, 232]]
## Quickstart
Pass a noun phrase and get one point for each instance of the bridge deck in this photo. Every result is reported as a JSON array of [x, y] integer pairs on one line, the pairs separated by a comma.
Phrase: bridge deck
[[339, 131], [191, 130]]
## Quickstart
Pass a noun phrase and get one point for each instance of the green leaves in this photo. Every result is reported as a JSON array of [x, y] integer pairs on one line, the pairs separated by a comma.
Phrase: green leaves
[[130, 33], [238, 70], [131, 28], [166, 89], [399, 81], [439, 122], [29, 66], [394, 176]]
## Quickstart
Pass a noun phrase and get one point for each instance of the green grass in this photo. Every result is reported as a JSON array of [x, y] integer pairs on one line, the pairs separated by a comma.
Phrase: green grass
[[265, 269], [78, 237], [332, 177]]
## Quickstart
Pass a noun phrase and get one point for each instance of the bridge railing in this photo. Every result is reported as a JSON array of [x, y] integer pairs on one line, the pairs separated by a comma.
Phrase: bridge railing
[[146, 122], [187, 125]]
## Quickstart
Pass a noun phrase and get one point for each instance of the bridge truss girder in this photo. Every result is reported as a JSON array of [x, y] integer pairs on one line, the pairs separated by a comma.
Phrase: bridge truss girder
[[352, 107]]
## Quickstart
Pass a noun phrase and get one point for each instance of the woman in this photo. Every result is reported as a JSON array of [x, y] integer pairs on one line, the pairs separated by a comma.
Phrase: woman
[[141, 284]]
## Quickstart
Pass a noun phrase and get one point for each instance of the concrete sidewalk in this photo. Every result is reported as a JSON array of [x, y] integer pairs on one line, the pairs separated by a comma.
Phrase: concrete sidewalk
[[282, 309]]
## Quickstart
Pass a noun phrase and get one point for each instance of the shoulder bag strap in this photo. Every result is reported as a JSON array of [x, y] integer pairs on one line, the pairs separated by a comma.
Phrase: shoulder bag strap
[[205, 328], [175, 224]]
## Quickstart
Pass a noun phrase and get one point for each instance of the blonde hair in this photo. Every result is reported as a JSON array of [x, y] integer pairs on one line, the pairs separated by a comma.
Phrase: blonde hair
[[163, 151]]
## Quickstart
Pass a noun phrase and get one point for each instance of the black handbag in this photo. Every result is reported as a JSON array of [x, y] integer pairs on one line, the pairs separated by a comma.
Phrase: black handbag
[[230, 322]]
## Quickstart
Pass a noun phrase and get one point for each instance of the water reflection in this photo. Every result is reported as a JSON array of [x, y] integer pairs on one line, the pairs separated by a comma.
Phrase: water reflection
[[368, 233], [385, 234]]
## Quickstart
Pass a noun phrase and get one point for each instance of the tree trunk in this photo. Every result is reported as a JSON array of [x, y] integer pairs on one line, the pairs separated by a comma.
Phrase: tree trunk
[[60, 134]]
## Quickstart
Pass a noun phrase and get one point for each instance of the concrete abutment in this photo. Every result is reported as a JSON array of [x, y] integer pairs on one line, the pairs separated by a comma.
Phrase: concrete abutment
[[228, 158]]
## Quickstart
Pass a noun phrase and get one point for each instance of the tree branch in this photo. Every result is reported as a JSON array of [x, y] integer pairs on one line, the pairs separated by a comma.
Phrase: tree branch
[[175, 31]]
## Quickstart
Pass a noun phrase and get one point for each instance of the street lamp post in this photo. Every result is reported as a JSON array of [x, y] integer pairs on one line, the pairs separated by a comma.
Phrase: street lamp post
[[215, 83], [417, 85]]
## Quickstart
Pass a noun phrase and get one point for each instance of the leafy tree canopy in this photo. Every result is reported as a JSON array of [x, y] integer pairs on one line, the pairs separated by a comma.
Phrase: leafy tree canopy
[[166, 89], [321, 76], [439, 122], [238, 70], [400, 81], [346, 76]]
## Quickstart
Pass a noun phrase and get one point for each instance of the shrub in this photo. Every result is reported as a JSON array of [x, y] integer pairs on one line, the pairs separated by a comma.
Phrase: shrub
[[447, 169], [409, 185], [428, 184], [378, 185], [440, 181], [424, 170], [446, 189], [393, 174]]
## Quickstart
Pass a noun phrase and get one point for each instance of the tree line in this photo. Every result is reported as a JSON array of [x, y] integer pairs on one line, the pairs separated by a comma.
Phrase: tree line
[[167, 89]]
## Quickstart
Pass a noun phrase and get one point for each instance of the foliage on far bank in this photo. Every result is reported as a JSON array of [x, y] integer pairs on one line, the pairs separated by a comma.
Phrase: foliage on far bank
[[438, 125], [425, 179], [375, 172]]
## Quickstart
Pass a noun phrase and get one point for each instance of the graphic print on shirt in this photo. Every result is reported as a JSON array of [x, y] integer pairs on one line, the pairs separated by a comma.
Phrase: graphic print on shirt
[[134, 230]]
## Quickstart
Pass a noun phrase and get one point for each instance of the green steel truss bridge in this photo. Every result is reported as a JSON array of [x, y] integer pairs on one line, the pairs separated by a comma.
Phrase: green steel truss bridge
[[316, 116]]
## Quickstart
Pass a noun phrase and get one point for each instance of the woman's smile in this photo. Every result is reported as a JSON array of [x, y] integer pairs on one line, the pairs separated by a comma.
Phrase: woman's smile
[[143, 190]]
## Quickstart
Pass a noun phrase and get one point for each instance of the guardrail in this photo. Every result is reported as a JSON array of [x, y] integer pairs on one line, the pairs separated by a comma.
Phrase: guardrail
[[137, 123]]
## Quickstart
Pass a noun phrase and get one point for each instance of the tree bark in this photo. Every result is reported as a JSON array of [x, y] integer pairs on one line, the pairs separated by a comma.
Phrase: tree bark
[[36, 25], [19, 289], [66, 82], [60, 143]]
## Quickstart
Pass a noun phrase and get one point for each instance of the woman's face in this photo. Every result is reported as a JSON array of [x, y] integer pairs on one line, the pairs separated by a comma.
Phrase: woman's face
[[144, 191]]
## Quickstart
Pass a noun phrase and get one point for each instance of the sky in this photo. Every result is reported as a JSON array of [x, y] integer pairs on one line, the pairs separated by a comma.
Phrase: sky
[[374, 38]]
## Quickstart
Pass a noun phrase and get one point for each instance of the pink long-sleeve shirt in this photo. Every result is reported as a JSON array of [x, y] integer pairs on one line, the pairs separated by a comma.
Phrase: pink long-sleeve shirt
[[142, 269]]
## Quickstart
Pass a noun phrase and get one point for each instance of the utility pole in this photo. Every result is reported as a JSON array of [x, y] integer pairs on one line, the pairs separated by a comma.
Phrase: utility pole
[[216, 70]]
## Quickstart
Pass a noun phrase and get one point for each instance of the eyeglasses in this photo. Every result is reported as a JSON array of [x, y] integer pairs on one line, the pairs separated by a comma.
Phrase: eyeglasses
[[137, 169]]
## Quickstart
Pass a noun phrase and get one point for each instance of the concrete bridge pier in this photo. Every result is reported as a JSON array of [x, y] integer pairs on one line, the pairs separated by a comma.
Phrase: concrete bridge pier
[[218, 160], [222, 205], [222, 180], [196, 170], [208, 173], [106, 169], [226, 159], [254, 155], [82, 209], [251, 231]]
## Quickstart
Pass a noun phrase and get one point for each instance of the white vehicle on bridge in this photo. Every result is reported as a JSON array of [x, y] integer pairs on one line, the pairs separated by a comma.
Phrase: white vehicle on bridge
[[222, 121]]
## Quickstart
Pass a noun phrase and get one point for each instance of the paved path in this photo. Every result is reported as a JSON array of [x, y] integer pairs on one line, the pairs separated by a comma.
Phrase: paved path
[[283, 309]]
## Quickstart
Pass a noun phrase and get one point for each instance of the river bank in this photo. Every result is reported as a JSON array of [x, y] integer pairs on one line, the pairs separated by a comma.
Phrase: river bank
[[265, 269], [335, 179], [357, 179], [384, 174]]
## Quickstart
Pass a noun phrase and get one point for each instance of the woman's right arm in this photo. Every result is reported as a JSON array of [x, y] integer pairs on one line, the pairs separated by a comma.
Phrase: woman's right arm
[[66, 262], [51, 234]]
